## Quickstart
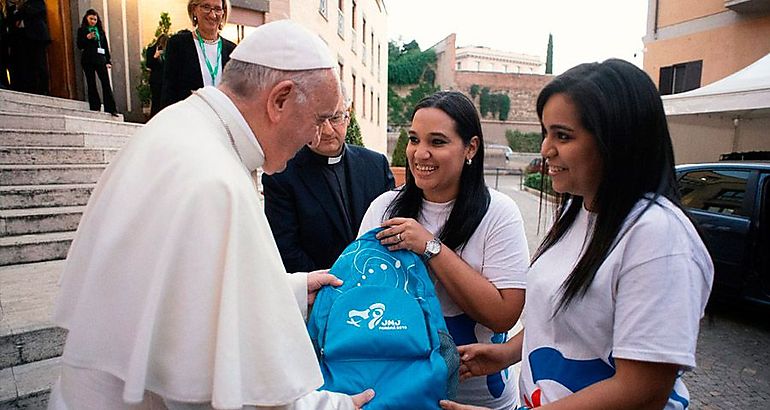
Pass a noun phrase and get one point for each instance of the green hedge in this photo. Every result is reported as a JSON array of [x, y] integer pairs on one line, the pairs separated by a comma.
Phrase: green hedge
[[523, 141], [535, 181]]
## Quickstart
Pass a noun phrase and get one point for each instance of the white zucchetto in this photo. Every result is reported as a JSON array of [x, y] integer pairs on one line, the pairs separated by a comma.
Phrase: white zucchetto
[[284, 45]]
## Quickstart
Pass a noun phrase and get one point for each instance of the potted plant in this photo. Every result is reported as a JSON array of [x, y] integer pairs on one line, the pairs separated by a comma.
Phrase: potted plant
[[398, 161]]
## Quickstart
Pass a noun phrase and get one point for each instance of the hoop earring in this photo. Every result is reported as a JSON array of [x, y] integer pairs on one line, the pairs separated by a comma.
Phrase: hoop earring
[[469, 161]]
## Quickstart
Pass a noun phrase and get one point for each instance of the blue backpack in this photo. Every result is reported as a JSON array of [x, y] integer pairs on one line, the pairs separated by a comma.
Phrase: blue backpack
[[383, 329]]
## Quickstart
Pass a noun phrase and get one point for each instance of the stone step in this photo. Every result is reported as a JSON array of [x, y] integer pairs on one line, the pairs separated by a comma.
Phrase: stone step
[[55, 155], [25, 121], [50, 174], [39, 220], [28, 386], [43, 108], [15, 96], [20, 249], [35, 196], [27, 295], [46, 138]]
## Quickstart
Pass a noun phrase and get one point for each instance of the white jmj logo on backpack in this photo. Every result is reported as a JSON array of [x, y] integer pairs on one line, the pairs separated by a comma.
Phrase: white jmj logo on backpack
[[374, 315]]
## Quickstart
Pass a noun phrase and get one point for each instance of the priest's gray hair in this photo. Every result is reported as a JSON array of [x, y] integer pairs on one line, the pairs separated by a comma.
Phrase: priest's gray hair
[[247, 80]]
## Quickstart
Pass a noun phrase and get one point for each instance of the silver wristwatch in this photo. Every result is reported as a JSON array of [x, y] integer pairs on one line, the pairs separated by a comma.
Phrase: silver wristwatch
[[432, 248]]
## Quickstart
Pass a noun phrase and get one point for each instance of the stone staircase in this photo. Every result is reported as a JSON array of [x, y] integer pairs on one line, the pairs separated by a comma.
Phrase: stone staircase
[[52, 152]]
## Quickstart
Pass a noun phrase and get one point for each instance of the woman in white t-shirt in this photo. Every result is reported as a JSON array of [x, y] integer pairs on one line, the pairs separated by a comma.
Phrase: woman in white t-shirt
[[617, 288], [472, 237]]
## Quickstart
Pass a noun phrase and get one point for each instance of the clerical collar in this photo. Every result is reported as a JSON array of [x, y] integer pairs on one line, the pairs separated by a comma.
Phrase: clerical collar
[[323, 159]]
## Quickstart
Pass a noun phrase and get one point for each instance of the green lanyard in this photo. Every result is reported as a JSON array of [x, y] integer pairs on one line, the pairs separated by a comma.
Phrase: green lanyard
[[212, 71], [97, 37]]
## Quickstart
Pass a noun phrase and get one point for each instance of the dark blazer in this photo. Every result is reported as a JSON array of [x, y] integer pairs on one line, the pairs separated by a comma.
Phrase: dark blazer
[[181, 71], [90, 55], [155, 65], [303, 214], [33, 14]]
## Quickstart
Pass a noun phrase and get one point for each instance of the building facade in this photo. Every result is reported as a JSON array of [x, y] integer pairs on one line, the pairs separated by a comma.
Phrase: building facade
[[355, 30], [522, 88], [485, 59], [692, 43]]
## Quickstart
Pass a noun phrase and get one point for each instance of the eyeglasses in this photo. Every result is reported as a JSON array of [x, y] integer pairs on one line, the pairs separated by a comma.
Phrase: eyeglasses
[[335, 121], [339, 118], [208, 9]]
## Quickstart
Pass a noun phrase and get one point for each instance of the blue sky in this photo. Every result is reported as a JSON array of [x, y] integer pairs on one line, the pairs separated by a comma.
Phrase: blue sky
[[584, 31]]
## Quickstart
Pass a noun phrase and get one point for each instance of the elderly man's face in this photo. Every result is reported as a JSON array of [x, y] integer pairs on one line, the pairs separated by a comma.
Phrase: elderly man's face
[[333, 133], [301, 126]]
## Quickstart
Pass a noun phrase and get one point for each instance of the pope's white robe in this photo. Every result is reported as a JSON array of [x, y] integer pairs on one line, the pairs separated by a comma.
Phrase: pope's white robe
[[174, 284]]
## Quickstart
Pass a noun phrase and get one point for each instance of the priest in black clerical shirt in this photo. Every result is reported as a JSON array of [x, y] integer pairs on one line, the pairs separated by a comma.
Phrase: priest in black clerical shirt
[[316, 205]]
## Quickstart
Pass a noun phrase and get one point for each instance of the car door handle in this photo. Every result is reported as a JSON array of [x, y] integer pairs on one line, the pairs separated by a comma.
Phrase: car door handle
[[719, 228]]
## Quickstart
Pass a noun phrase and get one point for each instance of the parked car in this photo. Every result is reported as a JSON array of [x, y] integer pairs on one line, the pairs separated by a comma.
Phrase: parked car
[[535, 166], [507, 151], [730, 202]]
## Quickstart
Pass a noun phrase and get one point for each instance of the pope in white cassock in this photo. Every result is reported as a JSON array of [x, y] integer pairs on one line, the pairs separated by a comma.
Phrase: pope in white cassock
[[174, 293]]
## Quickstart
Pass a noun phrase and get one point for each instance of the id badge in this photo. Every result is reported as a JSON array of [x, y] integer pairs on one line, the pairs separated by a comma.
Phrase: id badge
[[100, 50]]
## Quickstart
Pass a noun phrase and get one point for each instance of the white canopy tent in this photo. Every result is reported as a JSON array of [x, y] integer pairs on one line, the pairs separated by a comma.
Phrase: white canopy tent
[[732, 114]]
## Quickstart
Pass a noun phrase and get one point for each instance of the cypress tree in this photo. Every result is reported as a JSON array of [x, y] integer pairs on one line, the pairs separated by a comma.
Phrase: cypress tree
[[549, 55]]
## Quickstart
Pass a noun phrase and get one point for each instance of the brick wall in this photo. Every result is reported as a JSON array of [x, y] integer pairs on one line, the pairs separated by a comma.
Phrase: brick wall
[[522, 89]]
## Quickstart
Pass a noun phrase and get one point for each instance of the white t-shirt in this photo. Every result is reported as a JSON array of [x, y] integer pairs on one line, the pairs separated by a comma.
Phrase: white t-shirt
[[644, 304], [497, 249]]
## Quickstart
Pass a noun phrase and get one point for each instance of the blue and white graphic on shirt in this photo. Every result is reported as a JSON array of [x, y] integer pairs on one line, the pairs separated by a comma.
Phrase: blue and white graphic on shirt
[[643, 304], [549, 364], [463, 331]]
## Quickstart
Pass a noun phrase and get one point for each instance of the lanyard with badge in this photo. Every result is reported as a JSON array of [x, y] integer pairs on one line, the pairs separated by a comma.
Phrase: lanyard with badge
[[215, 70], [98, 38]]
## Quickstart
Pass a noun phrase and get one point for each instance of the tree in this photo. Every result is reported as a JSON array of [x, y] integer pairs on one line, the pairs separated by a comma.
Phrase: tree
[[399, 153], [475, 89], [408, 66], [353, 136], [503, 106], [549, 55]]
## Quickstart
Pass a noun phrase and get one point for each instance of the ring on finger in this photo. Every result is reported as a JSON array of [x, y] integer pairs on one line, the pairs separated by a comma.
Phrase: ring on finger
[[398, 236]]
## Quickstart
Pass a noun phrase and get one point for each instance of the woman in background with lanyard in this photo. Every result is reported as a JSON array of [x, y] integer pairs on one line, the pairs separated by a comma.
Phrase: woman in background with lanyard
[[195, 59], [95, 61]]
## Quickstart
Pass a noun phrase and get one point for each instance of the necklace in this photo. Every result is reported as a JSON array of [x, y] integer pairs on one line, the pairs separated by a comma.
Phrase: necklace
[[213, 70], [205, 40]]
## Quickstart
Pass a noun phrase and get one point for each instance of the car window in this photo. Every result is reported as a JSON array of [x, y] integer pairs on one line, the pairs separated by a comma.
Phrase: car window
[[717, 191]]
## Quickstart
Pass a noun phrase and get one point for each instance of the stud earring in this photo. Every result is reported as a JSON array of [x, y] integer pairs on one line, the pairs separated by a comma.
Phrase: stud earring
[[469, 161], [195, 20]]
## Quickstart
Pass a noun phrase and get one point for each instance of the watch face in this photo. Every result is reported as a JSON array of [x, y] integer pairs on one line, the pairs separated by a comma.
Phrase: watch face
[[433, 247]]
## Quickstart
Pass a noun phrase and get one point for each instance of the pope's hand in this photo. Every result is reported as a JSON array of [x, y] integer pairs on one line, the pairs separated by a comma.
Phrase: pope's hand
[[318, 279], [362, 398], [450, 405]]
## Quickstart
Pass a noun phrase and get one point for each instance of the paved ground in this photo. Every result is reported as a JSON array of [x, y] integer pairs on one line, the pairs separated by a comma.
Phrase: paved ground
[[733, 354]]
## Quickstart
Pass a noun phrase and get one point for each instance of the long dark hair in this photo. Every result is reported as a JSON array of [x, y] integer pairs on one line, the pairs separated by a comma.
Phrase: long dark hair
[[473, 198], [92, 12], [620, 106]]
